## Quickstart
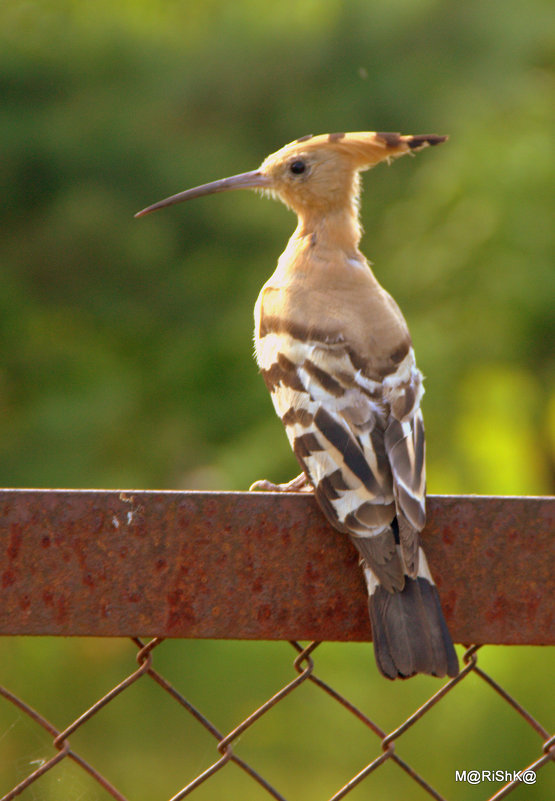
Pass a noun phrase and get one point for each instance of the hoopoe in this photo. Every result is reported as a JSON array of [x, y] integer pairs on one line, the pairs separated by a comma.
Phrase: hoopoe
[[335, 352]]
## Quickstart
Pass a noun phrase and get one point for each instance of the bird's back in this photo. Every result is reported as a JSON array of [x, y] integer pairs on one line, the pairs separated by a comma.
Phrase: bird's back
[[335, 353]]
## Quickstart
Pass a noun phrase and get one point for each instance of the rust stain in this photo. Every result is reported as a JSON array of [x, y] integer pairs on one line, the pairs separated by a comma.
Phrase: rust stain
[[15, 540], [8, 577]]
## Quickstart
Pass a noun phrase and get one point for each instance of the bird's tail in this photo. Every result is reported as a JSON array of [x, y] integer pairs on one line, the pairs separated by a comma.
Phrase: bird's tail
[[408, 627]]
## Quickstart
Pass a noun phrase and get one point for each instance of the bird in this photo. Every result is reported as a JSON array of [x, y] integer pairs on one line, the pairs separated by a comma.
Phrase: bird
[[336, 355]]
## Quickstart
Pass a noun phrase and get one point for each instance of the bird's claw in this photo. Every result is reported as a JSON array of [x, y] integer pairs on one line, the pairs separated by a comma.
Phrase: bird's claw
[[298, 484]]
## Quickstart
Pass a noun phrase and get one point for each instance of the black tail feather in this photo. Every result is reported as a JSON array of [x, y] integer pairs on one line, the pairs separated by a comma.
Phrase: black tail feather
[[409, 631]]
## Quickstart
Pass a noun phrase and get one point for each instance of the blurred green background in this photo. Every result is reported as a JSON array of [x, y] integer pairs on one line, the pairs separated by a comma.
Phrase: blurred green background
[[127, 344]]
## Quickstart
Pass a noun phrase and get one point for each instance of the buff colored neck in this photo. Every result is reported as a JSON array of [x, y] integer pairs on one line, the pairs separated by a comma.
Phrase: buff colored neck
[[338, 229]]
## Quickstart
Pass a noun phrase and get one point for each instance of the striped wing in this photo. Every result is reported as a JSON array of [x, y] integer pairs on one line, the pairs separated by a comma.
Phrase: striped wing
[[360, 442]]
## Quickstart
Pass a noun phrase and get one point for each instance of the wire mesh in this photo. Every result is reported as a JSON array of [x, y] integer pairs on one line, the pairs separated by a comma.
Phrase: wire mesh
[[386, 743]]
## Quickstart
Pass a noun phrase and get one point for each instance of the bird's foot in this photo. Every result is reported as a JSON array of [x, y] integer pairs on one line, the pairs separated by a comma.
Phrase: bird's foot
[[298, 484]]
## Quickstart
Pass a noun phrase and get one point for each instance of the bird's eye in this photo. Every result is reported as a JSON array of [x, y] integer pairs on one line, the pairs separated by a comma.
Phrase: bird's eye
[[297, 167]]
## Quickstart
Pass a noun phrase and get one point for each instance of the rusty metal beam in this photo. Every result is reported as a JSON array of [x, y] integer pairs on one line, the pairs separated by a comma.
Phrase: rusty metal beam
[[257, 566]]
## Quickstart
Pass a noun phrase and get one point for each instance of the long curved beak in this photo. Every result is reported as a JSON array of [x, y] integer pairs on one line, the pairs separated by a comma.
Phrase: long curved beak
[[245, 180]]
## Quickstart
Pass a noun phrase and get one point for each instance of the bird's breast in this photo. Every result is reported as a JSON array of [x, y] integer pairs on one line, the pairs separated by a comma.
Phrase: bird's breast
[[335, 307]]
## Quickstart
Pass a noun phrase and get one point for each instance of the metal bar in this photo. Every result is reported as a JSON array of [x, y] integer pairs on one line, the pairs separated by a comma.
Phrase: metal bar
[[257, 566]]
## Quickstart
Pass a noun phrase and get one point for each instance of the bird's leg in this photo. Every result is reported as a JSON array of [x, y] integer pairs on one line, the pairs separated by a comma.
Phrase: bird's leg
[[298, 484]]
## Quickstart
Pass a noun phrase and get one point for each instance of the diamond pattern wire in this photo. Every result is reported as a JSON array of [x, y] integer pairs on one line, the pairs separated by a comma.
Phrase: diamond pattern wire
[[304, 668]]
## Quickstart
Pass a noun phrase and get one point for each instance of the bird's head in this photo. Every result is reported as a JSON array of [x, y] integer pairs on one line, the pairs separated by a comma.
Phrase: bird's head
[[315, 173]]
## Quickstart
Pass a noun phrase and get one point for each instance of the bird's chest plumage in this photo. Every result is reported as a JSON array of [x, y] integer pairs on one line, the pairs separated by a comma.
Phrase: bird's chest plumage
[[331, 302]]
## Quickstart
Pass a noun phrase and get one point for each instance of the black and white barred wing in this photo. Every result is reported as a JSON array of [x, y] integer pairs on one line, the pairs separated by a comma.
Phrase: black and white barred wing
[[361, 444], [405, 445], [356, 453]]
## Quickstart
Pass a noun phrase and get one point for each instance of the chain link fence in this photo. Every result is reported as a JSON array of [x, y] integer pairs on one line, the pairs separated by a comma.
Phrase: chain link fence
[[303, 665], [43, 524]]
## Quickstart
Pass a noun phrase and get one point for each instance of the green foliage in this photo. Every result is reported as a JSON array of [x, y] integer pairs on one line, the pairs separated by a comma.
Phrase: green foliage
[[126, 344]]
